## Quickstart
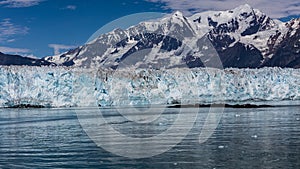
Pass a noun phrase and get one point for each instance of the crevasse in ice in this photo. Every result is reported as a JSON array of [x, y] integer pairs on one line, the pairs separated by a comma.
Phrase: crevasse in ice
[[67, 87]]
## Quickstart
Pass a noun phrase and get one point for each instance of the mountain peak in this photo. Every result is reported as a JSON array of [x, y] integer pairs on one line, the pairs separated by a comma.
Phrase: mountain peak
[[178, 14], [243, 8]]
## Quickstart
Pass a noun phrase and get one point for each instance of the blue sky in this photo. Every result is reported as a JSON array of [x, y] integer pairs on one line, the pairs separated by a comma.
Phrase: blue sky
[[36, 27]]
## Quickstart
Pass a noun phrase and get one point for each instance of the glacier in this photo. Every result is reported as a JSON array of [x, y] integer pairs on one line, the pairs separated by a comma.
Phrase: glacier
[[78, 87]]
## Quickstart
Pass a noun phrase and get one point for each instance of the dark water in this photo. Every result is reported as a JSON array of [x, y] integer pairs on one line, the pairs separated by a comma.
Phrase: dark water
[[244, 138]]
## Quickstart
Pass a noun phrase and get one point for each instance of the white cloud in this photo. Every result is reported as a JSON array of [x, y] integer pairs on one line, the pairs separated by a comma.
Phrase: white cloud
[[71, 7], [13, 50], [274, 9], [11, 40], [58, 47], [19, 3], [31, 56], [8, 30]]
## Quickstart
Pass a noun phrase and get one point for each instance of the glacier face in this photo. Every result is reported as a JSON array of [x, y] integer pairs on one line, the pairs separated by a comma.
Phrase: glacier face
[[71, 87]]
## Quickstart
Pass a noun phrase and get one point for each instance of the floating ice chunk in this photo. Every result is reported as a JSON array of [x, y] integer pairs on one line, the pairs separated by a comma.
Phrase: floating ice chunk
[[254, 136], [221, 147]]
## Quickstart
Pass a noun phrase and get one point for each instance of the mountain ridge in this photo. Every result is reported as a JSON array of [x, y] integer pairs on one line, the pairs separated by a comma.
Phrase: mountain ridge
[[8, 60]]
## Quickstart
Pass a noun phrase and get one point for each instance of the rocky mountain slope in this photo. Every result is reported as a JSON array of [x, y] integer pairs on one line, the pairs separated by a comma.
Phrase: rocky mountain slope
[[8, 60]]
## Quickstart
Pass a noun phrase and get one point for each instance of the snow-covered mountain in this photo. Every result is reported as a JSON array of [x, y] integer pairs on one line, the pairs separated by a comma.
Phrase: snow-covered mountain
[[242, 37]]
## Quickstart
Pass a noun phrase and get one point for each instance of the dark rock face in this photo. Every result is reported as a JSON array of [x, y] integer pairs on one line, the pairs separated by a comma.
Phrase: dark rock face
[[241, 56], [287, 54], [8, 60], [147, 41], [233, 54]]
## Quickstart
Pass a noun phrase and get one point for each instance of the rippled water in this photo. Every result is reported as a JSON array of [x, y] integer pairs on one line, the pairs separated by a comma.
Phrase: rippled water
[[244, 138]]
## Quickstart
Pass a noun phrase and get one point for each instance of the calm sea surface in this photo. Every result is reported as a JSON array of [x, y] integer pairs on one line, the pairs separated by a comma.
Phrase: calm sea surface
[[243, 138]]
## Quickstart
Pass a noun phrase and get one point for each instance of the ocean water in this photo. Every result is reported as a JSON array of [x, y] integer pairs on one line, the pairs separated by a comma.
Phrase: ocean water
[[242, 138]]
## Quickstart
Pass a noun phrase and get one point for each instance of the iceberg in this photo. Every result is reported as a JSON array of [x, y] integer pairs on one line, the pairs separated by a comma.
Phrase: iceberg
[[78, 87]]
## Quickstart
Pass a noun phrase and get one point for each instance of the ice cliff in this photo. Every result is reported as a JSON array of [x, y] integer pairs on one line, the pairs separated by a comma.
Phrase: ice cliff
[[70, 87]]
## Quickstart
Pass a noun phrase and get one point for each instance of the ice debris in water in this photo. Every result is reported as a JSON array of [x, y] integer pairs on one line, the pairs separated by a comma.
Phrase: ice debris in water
[[254, 136], [221, 147]]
